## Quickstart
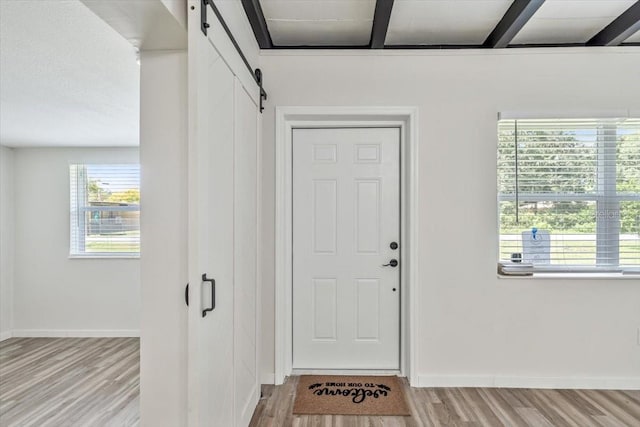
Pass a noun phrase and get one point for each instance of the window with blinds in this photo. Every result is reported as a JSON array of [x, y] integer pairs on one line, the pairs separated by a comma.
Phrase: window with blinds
[[569, 194], [105, 210]]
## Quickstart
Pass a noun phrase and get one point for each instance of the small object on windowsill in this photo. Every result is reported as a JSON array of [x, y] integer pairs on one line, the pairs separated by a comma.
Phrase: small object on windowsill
[[516, 257], [631, 272], [511, 268]]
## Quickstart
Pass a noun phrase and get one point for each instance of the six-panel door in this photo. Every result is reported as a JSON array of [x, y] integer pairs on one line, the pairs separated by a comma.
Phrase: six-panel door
[[346, 214]]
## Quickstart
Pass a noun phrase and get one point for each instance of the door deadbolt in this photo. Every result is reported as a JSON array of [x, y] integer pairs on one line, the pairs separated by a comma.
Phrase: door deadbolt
[[393, 245]]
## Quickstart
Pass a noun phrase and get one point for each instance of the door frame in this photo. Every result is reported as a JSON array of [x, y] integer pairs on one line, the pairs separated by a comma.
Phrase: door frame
[[289, 118]]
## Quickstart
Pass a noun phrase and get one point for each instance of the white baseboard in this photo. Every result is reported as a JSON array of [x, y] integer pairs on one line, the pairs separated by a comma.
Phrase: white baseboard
[[593, 383], [5, 335], [268, 378], [365, 372], [75, 333]]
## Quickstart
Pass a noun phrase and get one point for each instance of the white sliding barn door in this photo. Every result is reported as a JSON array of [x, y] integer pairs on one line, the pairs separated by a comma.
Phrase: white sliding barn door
[[211, 252], [247, 384], [223, 189], [346, 253]]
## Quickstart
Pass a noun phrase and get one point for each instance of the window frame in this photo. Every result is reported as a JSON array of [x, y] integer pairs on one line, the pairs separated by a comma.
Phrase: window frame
[[606, 198], [78, 211]]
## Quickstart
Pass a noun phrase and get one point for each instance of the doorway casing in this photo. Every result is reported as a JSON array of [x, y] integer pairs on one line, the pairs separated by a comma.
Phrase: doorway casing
[[289, 118]]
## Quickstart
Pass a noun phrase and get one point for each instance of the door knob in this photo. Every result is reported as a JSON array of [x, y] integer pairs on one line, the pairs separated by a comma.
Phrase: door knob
[[392, 263]]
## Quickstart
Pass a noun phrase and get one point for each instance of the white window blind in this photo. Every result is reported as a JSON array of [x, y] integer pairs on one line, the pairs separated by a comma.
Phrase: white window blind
[[577, 180], [105, 210]]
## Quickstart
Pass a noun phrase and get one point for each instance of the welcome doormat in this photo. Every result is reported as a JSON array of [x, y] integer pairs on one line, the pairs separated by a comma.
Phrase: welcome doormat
[[342, 395]]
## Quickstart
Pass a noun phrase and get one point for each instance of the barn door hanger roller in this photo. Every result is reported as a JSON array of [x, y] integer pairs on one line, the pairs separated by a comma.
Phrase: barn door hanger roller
[[263, 95]]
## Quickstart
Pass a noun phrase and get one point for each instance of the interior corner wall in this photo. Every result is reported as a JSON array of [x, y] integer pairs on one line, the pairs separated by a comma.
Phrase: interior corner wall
[[53, 294], [163, 158], [7, 226], [473, 328]]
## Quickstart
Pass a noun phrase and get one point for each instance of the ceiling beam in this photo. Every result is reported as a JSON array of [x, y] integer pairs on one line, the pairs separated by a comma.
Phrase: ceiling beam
[[380, 25], [512, 22], [620, 29], [256, 18]]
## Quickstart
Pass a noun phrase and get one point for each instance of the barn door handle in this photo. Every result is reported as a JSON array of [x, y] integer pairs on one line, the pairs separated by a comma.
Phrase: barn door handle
[[392, 263], [213, 294], [186, 295]]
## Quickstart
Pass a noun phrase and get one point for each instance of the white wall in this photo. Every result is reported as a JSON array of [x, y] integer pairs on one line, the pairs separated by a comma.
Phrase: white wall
[[6, 241], [163, 156], [177, 8], [52, 293], [474, 328]]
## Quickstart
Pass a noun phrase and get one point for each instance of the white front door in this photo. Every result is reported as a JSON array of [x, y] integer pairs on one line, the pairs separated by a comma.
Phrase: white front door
[[346, 219]]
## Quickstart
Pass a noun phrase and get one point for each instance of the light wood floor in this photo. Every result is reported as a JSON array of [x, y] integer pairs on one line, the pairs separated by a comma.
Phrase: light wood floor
[[93, 382], [470, 407], [69, 382]]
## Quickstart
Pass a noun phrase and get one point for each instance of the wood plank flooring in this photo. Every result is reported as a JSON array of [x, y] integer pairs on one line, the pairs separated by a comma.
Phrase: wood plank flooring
[[87, 382], [469, 407], [69, 382]]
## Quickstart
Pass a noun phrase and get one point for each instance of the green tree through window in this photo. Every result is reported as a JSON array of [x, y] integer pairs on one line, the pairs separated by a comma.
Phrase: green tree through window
[[575, 179]]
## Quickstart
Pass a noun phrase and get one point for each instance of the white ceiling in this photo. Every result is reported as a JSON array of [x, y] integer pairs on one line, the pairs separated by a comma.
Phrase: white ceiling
[[570, 21], [66, 77], [319, 22], [419, 22], [434, 22]]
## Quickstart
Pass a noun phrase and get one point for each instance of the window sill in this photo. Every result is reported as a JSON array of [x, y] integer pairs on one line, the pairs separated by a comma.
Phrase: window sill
[[573, 276], [98, 256]]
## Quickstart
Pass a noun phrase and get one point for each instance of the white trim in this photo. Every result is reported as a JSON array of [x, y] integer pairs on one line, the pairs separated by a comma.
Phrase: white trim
[[259, 254], [569, 275], [566, 114], [604, 50], [6, 335], [76, 333], [288, 118], [268, 378], [370, 372], [105, 256], [592, 383]]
